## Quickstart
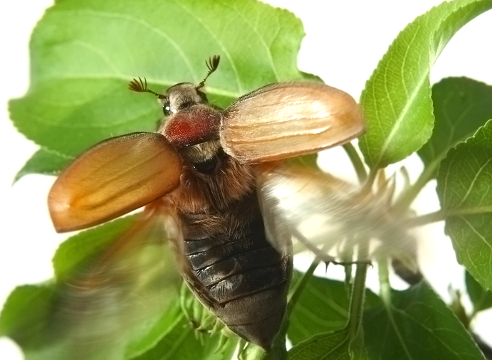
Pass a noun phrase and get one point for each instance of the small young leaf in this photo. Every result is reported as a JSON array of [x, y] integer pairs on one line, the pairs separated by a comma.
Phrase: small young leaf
[[461, 106], [309, 161], [396, 100], [417, 325], [481, 298], [78, 94], [463, 186], [44, 162]]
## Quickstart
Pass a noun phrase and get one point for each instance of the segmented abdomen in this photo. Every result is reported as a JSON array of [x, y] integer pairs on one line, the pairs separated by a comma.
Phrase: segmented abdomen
[[237, 273]]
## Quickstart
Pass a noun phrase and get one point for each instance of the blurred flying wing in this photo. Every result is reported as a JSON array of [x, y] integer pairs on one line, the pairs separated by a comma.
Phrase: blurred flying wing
[[323, 212], [112, 301]]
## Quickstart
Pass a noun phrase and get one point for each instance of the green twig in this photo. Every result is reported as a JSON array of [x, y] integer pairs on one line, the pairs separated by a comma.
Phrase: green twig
[[384, 282], [357, 298], [373, 173], [444, 214], [410, 193], [301, 284], [354, 157]]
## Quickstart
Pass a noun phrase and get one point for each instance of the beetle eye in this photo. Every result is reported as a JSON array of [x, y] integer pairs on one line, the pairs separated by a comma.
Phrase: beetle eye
[[208, 166], [166, 108]]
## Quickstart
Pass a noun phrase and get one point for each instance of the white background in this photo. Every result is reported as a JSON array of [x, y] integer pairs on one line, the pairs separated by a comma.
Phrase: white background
[[344, 42]]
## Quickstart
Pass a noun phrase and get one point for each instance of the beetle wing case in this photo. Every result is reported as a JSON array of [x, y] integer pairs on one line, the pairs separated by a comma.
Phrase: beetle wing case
[[112, 178], [283, 120]]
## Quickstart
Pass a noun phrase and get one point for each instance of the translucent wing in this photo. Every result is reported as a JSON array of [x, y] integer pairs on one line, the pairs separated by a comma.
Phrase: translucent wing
[[113, 303], [112, 178], [328, 215], [289, 119]]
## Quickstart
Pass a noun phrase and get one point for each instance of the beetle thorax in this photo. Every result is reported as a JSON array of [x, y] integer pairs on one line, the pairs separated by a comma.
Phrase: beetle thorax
[[194, 125], [211, 180]]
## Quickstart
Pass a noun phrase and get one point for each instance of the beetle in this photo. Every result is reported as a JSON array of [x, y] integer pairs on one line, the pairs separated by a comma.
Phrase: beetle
[[199, 173]]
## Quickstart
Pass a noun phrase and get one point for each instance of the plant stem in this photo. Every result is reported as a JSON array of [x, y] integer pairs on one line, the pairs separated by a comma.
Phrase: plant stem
[[367, 185], [354, 157], [444, 214], [409, 194], [357, 298], [301, 284], [384, 282]]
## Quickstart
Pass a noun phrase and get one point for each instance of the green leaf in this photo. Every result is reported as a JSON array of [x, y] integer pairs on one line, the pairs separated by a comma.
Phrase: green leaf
[[357, 348], [149, 337], [44, 162], [332, 345], [463, 187], [78, 94], [184, 343], [461, 106], [309, 161], [480, 298], [396, 100], [322, 307], [417, 325], [25, 312]]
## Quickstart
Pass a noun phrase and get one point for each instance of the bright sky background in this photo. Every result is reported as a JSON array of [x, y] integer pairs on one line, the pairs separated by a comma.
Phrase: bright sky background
[[344, 42]]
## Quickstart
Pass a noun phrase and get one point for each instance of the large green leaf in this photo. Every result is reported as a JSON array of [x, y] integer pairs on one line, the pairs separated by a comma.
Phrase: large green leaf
[[417, 325], [25, 312], [463, 187], [331, 345], [461, 106], [149, 336], [322, 308], [84, 53], [185, 343], [396, 100]]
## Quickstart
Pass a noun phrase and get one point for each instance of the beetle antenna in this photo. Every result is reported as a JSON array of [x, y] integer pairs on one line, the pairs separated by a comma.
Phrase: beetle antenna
[[212, 65], [139, 85]]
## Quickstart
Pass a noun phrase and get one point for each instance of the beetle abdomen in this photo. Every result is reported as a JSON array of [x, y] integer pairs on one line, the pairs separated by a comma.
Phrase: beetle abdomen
[[238, 274]]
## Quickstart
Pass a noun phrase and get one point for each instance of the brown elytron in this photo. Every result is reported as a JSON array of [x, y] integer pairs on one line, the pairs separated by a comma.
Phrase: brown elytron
[[202, 174]]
